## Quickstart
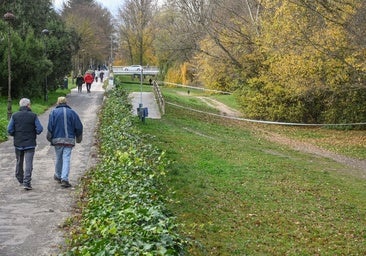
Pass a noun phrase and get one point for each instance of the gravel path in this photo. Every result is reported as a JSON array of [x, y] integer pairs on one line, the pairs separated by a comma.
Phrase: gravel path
[[30, 220]]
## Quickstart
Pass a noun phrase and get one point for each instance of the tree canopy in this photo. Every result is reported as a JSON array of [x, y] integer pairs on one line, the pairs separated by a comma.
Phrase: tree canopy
[[34, 55], [78, 38], [286, 60], [136, 32], [93, 27]]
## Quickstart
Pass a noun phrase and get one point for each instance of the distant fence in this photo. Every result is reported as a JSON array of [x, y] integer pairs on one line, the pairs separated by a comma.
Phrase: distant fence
[[159, 97]]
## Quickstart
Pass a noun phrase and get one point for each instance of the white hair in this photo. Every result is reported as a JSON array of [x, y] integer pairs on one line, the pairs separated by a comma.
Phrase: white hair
[[24, 102]]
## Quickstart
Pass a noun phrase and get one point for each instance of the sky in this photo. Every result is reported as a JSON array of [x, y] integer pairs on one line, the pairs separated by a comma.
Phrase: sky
[[111, 5]]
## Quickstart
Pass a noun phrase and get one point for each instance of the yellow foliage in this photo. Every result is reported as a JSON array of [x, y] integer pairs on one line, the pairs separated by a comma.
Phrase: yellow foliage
[[304, 49], [308, 59], [174, 75], [183, 70], [213, 72], [179, 74], [118, 62]]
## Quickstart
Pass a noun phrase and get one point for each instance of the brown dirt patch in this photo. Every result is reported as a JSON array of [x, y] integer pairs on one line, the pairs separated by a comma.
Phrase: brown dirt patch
[[356, 167]]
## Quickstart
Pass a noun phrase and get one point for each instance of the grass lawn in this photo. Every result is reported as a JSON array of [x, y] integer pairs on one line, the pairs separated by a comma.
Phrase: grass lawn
[[237, 194]]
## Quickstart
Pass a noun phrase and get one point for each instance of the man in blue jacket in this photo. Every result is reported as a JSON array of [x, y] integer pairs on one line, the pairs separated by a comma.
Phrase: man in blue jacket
[[63, 131], [24, 126]]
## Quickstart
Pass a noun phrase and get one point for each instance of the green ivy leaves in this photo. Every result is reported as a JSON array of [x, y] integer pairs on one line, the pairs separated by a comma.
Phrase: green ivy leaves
[[124, 211]]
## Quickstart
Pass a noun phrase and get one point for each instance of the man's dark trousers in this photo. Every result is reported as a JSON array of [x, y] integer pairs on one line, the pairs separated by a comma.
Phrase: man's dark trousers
[[24, 176]]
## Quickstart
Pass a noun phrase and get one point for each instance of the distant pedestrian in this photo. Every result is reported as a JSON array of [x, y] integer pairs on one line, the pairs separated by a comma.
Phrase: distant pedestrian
[[63, 131], [66, 83], [79, 82], [101, 74], [89, 79], [96, 72], [24, 126]]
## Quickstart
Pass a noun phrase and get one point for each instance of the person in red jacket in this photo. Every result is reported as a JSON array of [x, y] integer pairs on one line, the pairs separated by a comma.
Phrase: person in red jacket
[[88, 78]]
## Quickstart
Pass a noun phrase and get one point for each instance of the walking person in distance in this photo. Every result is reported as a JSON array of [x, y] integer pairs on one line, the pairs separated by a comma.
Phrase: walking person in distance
[[63, 131], [101, 75], [24, 126], [79, 82], [89, 79]]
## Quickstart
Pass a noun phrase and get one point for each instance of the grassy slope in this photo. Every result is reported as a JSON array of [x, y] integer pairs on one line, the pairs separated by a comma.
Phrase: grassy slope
[[239, 195]]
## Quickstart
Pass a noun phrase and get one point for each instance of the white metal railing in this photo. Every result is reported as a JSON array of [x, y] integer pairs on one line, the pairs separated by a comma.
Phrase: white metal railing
[[125, 70], [159, 97]]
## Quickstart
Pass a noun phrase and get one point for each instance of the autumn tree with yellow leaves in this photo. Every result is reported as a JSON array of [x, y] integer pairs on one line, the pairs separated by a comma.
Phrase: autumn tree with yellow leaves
[[310, 73], [93, 26], [136, 32], [294, 61]]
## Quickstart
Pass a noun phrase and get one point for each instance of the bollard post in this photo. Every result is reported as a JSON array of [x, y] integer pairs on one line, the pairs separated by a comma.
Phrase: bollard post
[[142, 112]]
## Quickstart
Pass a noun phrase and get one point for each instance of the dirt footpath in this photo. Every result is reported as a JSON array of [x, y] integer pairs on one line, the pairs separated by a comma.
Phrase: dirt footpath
[[357, 167], [29, 220]]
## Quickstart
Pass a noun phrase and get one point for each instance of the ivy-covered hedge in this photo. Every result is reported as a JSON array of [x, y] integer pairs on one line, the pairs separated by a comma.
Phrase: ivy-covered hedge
[[123, 211]]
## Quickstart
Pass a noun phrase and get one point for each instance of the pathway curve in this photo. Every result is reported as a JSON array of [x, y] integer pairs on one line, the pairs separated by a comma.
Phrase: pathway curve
[[224, 109]]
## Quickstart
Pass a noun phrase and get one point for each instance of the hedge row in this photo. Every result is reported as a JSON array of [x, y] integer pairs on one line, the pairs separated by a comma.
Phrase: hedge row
[[122, 204]]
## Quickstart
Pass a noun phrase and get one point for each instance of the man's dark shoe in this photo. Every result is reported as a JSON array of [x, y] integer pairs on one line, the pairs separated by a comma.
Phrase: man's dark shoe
[[56, 178], [65, 184], [27, 187]]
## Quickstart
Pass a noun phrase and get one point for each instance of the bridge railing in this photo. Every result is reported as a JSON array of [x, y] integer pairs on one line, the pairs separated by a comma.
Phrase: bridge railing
[[147, 70], [159, 97]]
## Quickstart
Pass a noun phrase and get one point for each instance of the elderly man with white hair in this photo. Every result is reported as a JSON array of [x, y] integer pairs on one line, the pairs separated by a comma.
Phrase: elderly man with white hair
[[24, 126]]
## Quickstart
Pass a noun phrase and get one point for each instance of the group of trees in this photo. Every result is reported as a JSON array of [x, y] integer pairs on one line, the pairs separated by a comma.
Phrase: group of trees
[[136, 32], [92, 24], [312, 65], [286, 60], [34, 55], [78, 39]]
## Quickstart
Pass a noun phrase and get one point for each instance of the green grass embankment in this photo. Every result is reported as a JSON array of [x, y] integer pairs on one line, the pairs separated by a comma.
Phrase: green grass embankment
[[238, 194], [233, 192]]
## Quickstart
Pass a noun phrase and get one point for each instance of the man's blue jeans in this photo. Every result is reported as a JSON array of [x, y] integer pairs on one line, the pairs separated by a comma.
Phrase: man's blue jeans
[[63, 158], [24, 175]]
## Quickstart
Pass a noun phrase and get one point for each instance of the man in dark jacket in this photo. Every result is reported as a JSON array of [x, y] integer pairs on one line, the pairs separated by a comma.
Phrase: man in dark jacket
[[79, 82], [63, 131], [24, 126]]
